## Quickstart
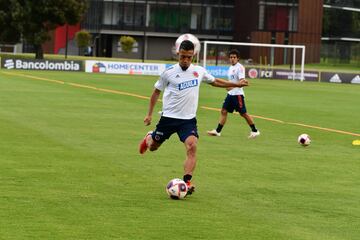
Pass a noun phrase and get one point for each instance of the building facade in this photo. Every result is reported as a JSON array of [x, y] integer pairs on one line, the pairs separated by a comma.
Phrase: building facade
[[341, 32], [155, 25], [289, 22]]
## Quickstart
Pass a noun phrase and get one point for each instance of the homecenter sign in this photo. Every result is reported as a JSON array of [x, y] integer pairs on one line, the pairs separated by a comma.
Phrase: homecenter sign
[[30, 64], [124, 67]]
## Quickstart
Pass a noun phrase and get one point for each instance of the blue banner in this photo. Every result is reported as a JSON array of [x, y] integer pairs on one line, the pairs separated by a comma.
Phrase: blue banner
[[216, 71]]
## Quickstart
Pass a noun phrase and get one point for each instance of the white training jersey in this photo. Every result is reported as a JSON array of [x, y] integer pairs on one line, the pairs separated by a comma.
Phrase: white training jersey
[[235, 73], [181, 90]]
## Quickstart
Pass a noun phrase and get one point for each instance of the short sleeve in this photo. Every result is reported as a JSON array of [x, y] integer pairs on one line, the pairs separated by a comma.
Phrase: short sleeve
[[162, 82], [241, 72]]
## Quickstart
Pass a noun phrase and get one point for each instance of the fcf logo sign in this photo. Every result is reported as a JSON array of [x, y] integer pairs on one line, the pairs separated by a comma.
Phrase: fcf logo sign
[[253, 73]]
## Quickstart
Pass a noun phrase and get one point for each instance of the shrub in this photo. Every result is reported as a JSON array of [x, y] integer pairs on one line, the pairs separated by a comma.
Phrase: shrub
[[127, 43]]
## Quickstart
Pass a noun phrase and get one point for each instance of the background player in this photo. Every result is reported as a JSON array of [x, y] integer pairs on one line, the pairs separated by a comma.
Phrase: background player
[[235, 99]]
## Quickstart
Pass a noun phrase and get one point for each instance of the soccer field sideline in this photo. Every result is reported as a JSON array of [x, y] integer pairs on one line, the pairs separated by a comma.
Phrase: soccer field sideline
[[203, 107]]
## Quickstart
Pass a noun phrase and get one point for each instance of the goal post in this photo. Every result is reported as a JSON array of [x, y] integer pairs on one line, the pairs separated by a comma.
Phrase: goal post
[[271, 46]]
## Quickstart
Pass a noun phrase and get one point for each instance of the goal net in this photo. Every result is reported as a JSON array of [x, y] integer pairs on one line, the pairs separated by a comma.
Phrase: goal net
[[258, 55]]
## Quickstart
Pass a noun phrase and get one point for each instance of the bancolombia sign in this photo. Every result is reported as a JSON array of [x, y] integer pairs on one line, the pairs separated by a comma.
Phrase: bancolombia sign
[[30, 64]]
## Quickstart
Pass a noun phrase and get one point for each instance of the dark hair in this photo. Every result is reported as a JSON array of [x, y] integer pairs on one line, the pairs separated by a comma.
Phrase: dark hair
[[234, 52], [186, 45]]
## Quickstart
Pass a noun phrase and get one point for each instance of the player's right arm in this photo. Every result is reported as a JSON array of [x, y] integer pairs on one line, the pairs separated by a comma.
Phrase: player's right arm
[[153, 99], [159, 86]]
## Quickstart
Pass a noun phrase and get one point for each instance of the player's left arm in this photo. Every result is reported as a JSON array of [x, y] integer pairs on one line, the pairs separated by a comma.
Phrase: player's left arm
[[247, 82], [218, 82], [227, 84]]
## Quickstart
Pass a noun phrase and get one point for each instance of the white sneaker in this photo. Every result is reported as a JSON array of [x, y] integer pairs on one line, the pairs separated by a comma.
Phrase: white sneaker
[[254, 134], [213, 133]]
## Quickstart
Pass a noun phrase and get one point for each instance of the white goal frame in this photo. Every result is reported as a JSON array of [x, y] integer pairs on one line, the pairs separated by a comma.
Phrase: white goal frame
[[294, 47]]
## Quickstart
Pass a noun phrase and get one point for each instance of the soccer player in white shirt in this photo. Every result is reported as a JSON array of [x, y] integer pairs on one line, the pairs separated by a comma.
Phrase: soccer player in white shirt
[[180, 84], [235, 97]]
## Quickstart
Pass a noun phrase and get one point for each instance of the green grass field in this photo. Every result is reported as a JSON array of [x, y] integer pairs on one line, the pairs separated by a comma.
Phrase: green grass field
[[70, 168]]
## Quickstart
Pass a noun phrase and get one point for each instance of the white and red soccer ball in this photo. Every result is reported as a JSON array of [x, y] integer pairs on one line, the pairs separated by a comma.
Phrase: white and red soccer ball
[[304, 140], [176, 188], [190, 37]]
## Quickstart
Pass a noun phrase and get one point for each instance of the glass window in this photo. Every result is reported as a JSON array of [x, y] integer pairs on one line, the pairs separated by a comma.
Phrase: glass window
[[124, 14], [341, 23], [227, 23], [227, 2], [94, 16], [277, 18], [212, 1], [129, 14], [197, 1], [343, 3], [211, 19], [173, 18], [107, 16], [195, 17], [139, 15], [184, 18], [118, 14], [134, 14], [280, 15], [217, 18], [208, 17]]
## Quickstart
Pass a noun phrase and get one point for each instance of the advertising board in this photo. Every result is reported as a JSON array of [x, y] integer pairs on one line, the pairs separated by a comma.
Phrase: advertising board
[[340, 77], [35, 64], [124, 67]]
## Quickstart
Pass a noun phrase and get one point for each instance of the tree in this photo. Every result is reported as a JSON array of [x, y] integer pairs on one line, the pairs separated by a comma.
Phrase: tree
[[127, 43], [83, 39], [33, 20], [10, 14]]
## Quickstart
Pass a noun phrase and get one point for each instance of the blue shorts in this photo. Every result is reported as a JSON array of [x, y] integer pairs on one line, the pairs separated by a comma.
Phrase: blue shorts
[[234, 102], [167, 126]]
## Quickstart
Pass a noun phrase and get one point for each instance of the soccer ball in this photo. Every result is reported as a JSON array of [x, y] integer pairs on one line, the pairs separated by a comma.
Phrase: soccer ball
[[176, 188], [190, 37], [304, 140]]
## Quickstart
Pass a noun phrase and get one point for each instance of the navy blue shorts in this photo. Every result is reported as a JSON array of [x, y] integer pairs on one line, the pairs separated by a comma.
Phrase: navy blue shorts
[[167, 126], [234, 102]]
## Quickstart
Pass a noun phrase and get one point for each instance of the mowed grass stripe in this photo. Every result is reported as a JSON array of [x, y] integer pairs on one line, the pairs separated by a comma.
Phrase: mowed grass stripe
[[254, 116], [77, 85], [291, 123], [326, 129], [203, 107], [34, 77]]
